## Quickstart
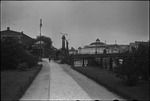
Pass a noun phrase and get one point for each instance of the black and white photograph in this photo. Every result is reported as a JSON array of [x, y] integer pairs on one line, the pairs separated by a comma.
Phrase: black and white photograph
[[74, 50]]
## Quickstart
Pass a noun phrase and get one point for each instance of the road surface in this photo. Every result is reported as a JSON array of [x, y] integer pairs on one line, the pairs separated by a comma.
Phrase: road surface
[[60, 82]]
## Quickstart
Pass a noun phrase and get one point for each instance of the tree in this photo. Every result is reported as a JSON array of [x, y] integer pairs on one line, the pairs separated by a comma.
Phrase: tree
[[48, 46], [13, 53], [143, 60], [45, 39], [135, 65]]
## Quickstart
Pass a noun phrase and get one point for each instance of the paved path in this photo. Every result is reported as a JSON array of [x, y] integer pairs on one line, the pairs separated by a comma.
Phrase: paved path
[[62, 86], [94, 90], [39, 89], [60, 82]]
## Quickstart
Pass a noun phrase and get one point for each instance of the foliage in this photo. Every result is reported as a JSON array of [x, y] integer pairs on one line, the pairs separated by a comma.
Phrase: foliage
[[13, 53], [143, 60], [45, 39], [48, 46], [30, 45], [22, 66], [135, 65]]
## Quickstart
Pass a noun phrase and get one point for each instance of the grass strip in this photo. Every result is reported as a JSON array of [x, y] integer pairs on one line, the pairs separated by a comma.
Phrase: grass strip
[[14, 83], [114, 84]]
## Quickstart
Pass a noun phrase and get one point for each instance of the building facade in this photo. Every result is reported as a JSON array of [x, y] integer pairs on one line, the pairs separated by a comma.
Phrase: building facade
[[23, 38], [98, 47], [73, 51], [40, 45]]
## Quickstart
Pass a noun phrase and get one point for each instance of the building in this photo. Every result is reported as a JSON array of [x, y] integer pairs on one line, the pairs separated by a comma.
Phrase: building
[[23, 38], [73, 51], [114, 48], [124, 48], [96, 47], [136, 45], [40, 45]]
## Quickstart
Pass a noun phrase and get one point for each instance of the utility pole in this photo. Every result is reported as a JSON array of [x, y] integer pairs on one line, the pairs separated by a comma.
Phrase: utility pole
[[115, 42], [9, 22], [40, 39]]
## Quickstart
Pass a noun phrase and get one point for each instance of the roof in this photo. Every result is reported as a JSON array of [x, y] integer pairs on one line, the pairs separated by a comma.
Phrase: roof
[[98, 43], [72, 49], [93, 46], [38, 42], [11, 32]]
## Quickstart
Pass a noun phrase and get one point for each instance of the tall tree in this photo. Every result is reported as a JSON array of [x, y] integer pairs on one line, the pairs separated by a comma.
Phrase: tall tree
[[45, 39]]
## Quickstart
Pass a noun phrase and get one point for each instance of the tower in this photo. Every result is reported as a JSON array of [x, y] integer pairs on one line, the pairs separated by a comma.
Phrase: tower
[[63, 42], [67, 44]]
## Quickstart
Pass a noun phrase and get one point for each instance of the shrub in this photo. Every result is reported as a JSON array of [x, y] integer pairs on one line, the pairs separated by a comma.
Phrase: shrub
[[135, 65], [12, 53], [22, 66]]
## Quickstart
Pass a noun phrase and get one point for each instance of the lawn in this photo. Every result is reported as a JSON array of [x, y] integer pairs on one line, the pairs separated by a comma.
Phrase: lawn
[[111, 82], [12, 80]]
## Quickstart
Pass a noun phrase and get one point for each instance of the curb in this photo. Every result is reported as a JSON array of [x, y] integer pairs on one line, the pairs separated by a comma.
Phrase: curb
[[22, 88], [110, 88]]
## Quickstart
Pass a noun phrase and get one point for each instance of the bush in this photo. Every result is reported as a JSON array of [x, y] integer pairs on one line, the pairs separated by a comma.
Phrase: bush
[[12, 54], [22, 66], [135, 65]]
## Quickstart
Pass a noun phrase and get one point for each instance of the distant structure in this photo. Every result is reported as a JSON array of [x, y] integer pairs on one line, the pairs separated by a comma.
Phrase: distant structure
[[96, 47], [123, 48], [63, 52], [114, 48], [99, 47], [136, 45], [40, 45], [73, 51], [63, 42], [23, 38], [67, 46]]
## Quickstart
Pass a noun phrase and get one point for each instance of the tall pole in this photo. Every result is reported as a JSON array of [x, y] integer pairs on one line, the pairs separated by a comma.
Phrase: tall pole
[[40, 38]]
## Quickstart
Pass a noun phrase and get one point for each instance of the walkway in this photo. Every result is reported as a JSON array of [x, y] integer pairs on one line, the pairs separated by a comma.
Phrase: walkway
[[60, 82], [62, 86], [39, 89]]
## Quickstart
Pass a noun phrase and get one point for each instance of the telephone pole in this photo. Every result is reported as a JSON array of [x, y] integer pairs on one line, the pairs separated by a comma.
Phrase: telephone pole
[[40, 39]]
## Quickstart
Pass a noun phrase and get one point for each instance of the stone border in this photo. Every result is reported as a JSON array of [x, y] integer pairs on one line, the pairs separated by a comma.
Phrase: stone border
[[22, 88], [109, 87]]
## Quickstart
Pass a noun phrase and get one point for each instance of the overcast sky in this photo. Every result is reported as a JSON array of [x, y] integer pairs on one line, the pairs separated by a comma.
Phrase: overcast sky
[[83, 21]]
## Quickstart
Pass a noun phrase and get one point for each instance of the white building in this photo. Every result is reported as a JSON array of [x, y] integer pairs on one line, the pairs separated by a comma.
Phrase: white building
[[98, 47], [72, 51], [95, 47], [114, 48]]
